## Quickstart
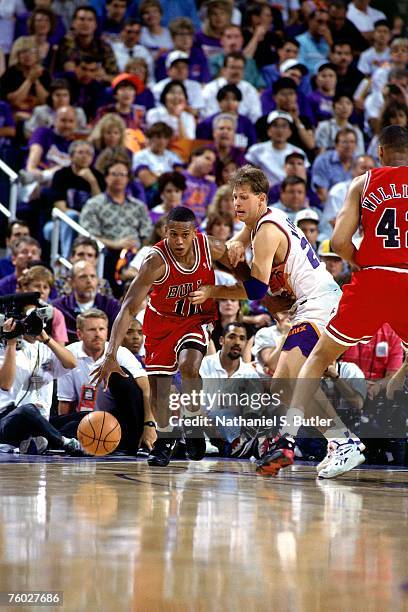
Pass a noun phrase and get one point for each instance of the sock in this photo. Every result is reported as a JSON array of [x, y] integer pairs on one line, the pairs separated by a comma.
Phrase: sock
[[338, 430], [290, 428], [167, 429]]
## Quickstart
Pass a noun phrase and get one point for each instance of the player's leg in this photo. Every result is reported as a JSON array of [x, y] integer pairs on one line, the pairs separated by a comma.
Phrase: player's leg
[[166, 442], [189, 361]]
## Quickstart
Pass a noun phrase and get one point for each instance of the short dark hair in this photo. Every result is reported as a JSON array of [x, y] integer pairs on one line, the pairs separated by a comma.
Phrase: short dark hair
[[84, 241], [159, 129], [290, 40], [85, 7], [200, 150], [147, 4], [382, 23], [341, 43], [175, 178], [251, 176], [85, 58], [344, 132], [292, 180], [11, 224], [224, 91], [283, 83], [294, 155], [131, 21], [227, 327], [237, 55], [181, 214], [390, 111], [394, 137], [341, 94], [168, 87], [180, 24], [112, 162]]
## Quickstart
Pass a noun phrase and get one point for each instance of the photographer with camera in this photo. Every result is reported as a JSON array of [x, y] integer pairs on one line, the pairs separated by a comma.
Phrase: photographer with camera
[[29, 361]]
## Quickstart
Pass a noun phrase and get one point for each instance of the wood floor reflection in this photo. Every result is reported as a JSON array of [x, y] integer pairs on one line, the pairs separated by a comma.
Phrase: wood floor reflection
[[204, 537]]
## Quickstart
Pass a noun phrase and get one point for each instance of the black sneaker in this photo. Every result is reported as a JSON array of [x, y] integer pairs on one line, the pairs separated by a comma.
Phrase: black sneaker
[[195, 443], [162, 452], [281, 453]]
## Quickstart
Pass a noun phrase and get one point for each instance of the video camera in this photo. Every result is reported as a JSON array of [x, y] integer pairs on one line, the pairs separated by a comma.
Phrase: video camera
[[27, 323]]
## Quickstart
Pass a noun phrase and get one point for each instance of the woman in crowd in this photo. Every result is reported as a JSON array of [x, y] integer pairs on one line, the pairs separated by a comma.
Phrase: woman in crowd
[[171, 186], [109, 131], [41, 25], [172, 110]]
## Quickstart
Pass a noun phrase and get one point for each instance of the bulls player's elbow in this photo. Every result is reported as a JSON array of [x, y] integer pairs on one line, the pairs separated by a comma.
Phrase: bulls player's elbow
[[339, 244]]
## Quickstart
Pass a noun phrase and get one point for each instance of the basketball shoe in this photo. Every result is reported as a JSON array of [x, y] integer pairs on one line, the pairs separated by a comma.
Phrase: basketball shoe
[[344, 457], [34, 445], [195, 443], [162, 452], [332, 444], [280, 454], [72, 447]]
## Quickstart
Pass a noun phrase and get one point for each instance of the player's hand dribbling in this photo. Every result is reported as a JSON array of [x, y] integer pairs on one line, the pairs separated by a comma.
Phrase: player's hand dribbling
[[236, 252], [102, 373], [201, 295]]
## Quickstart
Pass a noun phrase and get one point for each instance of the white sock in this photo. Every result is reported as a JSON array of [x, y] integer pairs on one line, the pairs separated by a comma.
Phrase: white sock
[[338, 430], [290, 428], [166, 429]]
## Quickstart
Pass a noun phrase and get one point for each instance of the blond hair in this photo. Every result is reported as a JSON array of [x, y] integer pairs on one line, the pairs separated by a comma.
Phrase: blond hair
[[108, 121], [92, 313], [34, 274]]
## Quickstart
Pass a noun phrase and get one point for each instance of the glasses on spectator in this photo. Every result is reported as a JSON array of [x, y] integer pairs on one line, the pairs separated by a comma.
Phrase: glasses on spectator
[[118, 174]]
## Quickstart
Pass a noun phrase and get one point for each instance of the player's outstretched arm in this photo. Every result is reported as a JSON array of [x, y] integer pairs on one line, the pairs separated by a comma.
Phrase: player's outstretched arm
[[152, 269], [347, 221]]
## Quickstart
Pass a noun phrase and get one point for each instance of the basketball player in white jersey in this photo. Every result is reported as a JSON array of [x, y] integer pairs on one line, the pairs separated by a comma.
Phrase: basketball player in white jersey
[[284, 265]]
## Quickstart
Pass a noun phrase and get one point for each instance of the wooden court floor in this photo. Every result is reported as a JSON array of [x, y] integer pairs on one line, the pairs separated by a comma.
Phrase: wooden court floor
[[203, 537]]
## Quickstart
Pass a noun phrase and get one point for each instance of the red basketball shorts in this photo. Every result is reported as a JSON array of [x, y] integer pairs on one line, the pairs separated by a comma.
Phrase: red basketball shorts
[[375, 296], [165, 337]]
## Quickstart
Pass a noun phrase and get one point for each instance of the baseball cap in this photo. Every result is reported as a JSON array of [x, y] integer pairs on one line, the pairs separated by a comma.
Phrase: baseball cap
[[292, 63], [276, 114], [176, 56], [130, 78], [308, 214], [325, 249]]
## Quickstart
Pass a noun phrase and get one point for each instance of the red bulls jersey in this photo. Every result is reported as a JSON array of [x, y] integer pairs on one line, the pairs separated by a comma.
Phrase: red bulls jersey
[[384, 217], [170, 293]]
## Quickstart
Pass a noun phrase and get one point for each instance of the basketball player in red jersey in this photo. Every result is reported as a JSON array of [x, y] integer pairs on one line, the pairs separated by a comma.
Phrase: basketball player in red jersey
[[176, 331], [378, 292]]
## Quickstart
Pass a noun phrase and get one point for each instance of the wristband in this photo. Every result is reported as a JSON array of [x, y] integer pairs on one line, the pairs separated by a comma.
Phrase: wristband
[[149, 424]]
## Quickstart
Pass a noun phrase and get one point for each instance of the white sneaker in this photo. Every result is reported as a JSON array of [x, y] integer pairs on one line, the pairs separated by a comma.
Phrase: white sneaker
[[34, 446], [210, 449], [344, 458], [332, 444]]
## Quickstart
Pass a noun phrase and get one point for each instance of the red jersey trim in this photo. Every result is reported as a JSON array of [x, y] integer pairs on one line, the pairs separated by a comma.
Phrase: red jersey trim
[[175, 262], [207, 250], [366, 183], [165, 276]]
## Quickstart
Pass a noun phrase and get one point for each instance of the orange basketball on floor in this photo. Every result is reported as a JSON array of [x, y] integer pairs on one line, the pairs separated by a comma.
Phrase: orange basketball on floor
[[99, 433]]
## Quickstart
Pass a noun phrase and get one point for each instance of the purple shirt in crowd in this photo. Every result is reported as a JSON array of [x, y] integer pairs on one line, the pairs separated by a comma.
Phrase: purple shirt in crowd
[[198, 195], [197, 67], [54, 147]]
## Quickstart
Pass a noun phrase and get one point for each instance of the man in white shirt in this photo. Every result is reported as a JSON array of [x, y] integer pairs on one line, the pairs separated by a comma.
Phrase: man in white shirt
[[379, 53], [270, 156], [28, 366], [128, 47], [364, 17], [76, 395], [177, 66], [233, 72]]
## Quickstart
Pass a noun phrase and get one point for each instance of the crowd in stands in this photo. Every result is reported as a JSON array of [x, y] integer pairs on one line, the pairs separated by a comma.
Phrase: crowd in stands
[[116, 111]]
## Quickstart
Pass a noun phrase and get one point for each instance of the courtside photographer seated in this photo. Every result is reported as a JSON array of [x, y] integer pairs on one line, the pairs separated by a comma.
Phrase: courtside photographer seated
[[29, 361]]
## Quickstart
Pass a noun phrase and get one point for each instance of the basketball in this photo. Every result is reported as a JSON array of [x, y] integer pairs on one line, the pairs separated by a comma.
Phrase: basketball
[[99, 433]]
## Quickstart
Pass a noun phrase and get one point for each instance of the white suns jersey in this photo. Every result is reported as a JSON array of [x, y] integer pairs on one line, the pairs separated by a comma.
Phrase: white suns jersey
[[301, 274]]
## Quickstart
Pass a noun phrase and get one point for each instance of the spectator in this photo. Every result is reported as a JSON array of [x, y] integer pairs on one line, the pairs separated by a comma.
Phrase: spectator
[[41, 25], [232, 41], [83, 40], [199, 188], [182, 34], [15, 229], [342, 28], [27, 83], [177, 66], [8, 13], [229, 362], [223, 202], [398, 380], [334, 263], [315, 43], [260, 40], [155, 37], [39, 278], [393, 113], [135, 264], [171, 186], [113, 21], [220, 225], [44, 115], [173, 111], [295, 166], [270, 156], [133, 341], [23, 251], [379, 53], [145, 100], [126, 87], [321, 99], [334, 166], [348, 76], [233, 72], [219, 13], [71, 188], [150, 163], [229, 98], [84, 296], [308, 221], [92, 329], [286, 50], [230, 311], [224, 129], [116, 218], [25, 407], [128, 47], [326, 130], [364, 17], [293, 196], [86, 91], [83, 249], [268, 342], [108, 132]]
